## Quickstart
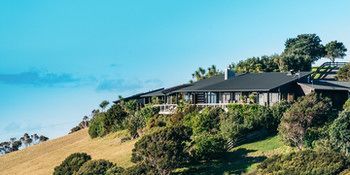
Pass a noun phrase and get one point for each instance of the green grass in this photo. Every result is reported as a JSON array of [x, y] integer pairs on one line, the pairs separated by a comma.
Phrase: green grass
[[241, 159]]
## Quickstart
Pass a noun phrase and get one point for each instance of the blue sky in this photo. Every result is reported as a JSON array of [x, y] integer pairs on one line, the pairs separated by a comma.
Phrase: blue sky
[[59, 59]]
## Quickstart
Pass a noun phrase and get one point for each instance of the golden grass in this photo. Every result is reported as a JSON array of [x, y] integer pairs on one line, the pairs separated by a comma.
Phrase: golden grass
[[42, 158]]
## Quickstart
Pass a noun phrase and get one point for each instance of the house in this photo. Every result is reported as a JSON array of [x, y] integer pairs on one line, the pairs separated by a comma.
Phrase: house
[[266, 88]]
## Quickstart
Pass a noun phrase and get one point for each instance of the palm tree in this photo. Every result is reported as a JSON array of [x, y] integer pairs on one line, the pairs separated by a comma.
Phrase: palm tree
[[335, 49], [212, 71], [199, 74]]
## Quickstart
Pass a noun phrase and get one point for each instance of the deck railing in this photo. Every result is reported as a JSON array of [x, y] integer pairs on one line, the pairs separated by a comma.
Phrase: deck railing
[[171, 108]]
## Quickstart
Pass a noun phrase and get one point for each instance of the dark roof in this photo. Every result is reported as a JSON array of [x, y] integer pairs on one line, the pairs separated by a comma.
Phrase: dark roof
[[137, 96], [328, 85], [253, 82], [166, 91], [202, 83]]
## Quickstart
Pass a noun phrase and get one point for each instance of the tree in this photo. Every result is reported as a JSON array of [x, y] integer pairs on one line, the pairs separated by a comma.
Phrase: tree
[[344, 73], [335, 49], [201, 73], [162, 150], [304, 162], [71, 164], [102, 167], [43, 138], [340, 133], [308, 111], [104, 104], [301, 52], [257, 64]]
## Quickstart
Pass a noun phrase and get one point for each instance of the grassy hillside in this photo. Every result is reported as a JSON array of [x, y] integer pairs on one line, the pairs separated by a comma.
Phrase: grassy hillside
[[242, 159], [41, 159]]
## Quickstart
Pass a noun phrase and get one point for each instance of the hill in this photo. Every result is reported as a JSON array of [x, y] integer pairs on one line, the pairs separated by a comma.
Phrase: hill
[[42, 158]]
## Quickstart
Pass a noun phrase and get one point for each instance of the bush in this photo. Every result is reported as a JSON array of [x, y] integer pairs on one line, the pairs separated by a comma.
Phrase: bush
[[308, 111], [346, 105], [94, 167], [305, 162], [340, 133], [138, 120], [115, 170], [208, 146], [277, 111], [97, 126], [71, 164], [205, 121], [163, 150], [138, 169], [241, 119], [106, 122]]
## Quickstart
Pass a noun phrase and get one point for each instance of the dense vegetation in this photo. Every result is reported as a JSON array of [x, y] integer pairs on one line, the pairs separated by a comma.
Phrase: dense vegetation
[[298, 55], [317, 136]]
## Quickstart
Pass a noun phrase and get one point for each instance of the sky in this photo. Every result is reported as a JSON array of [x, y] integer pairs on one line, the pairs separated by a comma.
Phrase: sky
[[60, 59]]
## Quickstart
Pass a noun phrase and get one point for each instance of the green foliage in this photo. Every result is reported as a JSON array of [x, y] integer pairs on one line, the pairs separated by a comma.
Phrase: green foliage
[[206, 120], [163, 150], [346, 105], [257, 64], [130, 106], [201, 73], [301, 52], [104, 104], [335, 49], [241, 119], [308, 162], [308, 111], [343, 73], [71, 164], [135, 122], [277, 111], [138, 169], [106, 122], [115, 118], [208, 146], [115, 170], [96, 127], [94, 167], [340, 133]]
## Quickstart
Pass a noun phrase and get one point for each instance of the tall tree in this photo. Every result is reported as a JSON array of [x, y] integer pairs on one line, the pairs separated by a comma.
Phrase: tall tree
[[104, 104], [335, 49], [301, 52], [308, 111], [199, 74]]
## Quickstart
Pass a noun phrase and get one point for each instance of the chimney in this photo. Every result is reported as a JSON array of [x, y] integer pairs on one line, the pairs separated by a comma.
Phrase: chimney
[[229, 74]]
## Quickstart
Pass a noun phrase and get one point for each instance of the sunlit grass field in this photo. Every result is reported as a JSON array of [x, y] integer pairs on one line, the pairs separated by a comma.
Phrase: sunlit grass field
[[42, 158]]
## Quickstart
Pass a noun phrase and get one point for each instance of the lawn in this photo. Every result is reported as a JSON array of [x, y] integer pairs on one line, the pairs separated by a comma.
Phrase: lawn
[[241, 159]]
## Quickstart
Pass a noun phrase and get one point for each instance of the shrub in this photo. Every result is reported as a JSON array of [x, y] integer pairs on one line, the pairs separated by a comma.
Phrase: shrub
[[344, 73], [241, 119], [71, 164], [305, 162], [208, 146], [138, 169], [138, 120], [115, 118], [115, 170], [163, 150], [340, 133], [105, 122], [94, 167], [308, 111], [205, 121], [346, 105], [97, 127], [277, 111]]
